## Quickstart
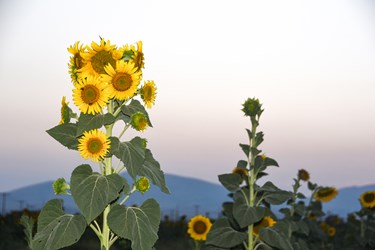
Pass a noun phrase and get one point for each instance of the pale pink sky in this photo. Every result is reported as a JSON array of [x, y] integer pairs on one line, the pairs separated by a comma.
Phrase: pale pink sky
[[311, 63]]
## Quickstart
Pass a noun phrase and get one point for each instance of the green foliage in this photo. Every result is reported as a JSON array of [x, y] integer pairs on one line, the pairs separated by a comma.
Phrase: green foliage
[[223, 235], [57, 229], [134, 107], [151, 169], [88, 122], [138, 224], [252, 204], [65, 134], [93, 191]]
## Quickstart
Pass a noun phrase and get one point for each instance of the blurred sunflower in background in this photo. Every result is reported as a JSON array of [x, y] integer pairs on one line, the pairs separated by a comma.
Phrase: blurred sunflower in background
[[198, 227], [367, 199], [267, 221], [325, 194]]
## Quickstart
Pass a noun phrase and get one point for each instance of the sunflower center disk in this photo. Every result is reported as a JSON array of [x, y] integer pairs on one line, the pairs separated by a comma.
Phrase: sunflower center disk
[[200, 227], [94, 146], [122, 81], [369, 198], [325, 193], [100, 60], [90, 94]]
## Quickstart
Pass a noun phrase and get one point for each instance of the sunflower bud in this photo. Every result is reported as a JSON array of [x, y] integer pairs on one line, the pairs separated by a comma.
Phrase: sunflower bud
[[303, 175], [60, 186], [142, 184], [65, 111], [252, 107], [139, 121]]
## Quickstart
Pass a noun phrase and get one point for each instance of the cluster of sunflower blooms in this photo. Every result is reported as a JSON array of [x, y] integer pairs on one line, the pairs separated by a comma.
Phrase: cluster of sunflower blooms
[[105, 76], [106, 81]]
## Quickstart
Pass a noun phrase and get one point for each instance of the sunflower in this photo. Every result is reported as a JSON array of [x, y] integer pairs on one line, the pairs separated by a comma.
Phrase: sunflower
[[138, 57], [122, 81], [367, 199], [198, 227], [243, 172], [267, 221], [148, 93], [65, 111], [93, 144], [90, 95], [331, 231], [325, 194], [303, 175], [139, 121], [76, 61], [99, 56]]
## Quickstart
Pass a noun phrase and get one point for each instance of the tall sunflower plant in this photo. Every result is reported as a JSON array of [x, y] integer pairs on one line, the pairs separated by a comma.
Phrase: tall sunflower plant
[[248, 222], [107, 89]]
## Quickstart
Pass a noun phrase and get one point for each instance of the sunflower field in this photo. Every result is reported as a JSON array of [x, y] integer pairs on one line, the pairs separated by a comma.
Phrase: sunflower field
[[107, 90]]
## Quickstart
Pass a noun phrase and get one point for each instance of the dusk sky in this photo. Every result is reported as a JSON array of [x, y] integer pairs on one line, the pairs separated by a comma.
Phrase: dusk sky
[[311, 64]]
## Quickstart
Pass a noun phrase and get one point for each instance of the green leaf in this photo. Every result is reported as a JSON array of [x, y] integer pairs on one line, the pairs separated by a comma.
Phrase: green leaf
[[134, 107], [131, 153], [138, 224], [244, 214], [245, 148], [278, 197], [259, 138], [242, 164], [223, 235], [92, 192], [88, 122], [28, 224], [230, 181], [57, 229], [151, 169], [65, 134], [274, 239]]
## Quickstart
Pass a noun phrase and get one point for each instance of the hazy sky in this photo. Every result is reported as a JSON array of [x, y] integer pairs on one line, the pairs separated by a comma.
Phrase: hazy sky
[[311, 64]]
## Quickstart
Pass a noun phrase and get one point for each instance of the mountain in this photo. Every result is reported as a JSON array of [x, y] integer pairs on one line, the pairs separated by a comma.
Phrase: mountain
[[189, 196]]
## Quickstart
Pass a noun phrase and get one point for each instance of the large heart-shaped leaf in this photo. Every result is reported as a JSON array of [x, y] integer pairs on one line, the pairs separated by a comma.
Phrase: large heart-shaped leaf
[[151, 169], [231, 182], [274, 239], [65, 134], [244, 214], [57, 229], [92, 192], [88, 122], [138, 224], [223, 235], [131, 153]]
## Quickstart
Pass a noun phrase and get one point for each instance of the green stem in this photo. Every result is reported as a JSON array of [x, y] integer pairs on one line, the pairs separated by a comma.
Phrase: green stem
[[123, 131], [252, 179], [105, 243], [363, 227], [128, 195]]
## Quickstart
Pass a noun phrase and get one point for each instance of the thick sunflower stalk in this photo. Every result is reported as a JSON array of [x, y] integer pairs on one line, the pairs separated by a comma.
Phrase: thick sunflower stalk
[[107, 89], [248, 222]]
